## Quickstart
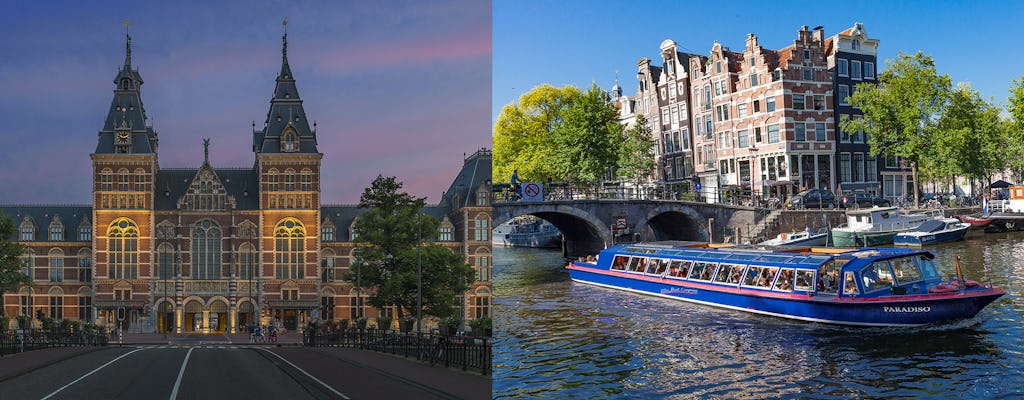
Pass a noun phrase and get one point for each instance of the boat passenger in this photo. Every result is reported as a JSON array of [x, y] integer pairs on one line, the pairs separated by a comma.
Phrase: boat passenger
[[785, 280], [850, 286]]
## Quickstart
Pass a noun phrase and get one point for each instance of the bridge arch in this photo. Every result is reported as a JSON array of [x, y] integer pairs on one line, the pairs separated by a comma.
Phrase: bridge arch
[[576, 224], [674, 221]]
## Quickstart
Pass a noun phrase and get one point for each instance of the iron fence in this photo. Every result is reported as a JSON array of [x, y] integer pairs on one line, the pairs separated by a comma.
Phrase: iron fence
[[466, 352], [17, 341]]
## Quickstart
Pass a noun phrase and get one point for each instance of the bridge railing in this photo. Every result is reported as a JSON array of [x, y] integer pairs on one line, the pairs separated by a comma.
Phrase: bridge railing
[[564, 191], [17, 341]]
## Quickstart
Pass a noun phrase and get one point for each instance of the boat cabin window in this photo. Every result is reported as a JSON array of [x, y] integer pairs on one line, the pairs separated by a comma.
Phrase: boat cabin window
[[760, 276], [906, 270], [637, 264], [876, 276], [702, 271], [657, 267], [828, 277], [679, 269], [927, 268], [730, 274], [785, 281], [619, 263], [804, 280], [849, 284]]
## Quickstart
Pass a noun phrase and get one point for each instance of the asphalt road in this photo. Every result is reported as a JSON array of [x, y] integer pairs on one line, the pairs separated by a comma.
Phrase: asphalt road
[[207, 372]]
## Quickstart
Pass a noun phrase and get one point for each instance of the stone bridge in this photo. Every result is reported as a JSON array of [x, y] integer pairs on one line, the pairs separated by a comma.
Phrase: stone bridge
[[587, 225]]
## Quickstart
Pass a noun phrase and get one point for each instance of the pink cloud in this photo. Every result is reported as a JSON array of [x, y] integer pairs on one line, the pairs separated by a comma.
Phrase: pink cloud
[[368, 55]]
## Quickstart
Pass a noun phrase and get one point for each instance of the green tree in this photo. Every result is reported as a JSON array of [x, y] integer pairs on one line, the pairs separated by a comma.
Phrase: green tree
[[388, 235], [1014, 128], [587, 139], [522, 133], [970, 137], [636, 154], [11, 275], [901, 113]]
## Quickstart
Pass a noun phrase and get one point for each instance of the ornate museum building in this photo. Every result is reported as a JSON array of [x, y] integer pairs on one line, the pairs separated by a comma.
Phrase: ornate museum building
[[212, 249]]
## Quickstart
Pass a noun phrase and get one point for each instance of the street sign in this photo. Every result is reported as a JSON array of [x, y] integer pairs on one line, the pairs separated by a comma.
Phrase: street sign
[[620, 223], [532, 192], [120, 313]]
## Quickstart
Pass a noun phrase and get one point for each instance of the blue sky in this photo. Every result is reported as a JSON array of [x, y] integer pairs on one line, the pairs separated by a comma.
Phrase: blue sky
[[579, 42], [398, 88]]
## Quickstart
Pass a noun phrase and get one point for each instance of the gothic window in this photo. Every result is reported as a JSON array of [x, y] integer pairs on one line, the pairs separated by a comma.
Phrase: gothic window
[[289, 179], [206, 251], [327, 231], [289, 142], [27, 229], [482, 228], [56, 265], [247, 258], [107, 180], [122, 179], [289, 235], [85, 265], [140, 180], [327, 267], [165, 261], [56, 303], [307, 180], [272, 180], [56, 230], [123, 248], [85, 231]]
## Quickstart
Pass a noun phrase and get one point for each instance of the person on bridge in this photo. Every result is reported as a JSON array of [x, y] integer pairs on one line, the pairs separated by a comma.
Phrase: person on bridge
[[515, 184]]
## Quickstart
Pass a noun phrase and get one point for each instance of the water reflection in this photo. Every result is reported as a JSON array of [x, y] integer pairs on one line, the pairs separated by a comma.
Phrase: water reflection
[[557, 339]]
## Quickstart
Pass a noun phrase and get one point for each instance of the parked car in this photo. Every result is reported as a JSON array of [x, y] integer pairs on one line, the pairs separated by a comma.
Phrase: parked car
[[858, 200], [812, 198]]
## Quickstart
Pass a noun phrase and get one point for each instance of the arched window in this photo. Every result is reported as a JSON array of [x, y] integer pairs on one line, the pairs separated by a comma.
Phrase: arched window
[[247, 261], [123, 247], [327, 266], [56, 303], [206, 250], [165, 261], [107, 180], [483, 227], [56, 230], [56, 265], [123, 178], [327, 231], [85, 265], [307, 180], [27, 229], [289, 235], [289, 142], [482, 264], [289, 179]]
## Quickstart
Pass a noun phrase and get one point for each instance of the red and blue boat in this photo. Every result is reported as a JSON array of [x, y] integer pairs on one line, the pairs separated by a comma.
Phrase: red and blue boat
[[860, 287]]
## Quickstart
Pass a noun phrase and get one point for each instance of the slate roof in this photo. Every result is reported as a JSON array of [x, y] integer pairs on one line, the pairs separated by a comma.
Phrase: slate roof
[[70, 215], [475, 170], [127, 112], [241, 183], [285, 110]]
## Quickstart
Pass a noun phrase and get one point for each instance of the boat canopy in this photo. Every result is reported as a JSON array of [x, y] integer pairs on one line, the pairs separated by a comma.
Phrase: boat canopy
[[745, 255], [932, 225]]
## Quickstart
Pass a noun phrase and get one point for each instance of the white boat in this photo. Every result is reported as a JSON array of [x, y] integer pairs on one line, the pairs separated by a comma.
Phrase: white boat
[[527, 231], [876, 226], [800, 238], [932, 232]]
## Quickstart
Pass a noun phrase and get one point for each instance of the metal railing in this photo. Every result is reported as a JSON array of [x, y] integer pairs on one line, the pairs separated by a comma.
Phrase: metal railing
[[17, 341], [466, 352]]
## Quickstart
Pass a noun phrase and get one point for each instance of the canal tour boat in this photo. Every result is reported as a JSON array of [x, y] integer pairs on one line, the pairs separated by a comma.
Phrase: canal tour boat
[[865, 287]]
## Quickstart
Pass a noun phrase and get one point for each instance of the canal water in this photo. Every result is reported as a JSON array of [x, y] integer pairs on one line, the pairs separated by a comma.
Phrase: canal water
[[562, 340]]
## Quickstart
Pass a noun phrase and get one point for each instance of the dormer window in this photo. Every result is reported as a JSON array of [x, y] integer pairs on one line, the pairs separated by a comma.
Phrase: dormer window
[[56, 230], [856, 44], [290, 142], [28, 230]]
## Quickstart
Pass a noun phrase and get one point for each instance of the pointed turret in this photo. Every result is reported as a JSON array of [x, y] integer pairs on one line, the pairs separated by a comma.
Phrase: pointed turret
[[286, 129], [125, 130]]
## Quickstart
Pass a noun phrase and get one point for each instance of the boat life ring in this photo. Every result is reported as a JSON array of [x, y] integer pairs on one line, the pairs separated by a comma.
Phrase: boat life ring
[[784, 236], [942, 288]]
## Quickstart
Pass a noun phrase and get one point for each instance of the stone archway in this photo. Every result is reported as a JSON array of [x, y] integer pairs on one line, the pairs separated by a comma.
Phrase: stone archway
[[674, 222]]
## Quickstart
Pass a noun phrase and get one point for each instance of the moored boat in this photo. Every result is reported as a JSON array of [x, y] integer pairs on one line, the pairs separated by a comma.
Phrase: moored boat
[[876, 226], [932, 232], [975, 221], [866, 287], [527, 231], [800, 238]]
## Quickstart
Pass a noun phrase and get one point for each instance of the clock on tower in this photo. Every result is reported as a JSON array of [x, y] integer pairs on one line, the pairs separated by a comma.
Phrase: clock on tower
[[124, 137]]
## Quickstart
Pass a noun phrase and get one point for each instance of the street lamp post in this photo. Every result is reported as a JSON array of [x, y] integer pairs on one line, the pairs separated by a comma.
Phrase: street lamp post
[[164, 273], [359, 287], [419, 279]]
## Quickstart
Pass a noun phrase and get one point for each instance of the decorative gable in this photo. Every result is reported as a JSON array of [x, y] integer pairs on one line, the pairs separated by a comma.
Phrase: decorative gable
[[206, 193]]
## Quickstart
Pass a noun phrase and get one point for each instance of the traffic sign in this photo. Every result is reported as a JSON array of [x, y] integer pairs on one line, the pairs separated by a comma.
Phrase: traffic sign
[[533, 191], [120, 313]]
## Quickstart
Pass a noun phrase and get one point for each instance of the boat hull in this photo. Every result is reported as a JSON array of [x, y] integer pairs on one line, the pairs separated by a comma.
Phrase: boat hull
[[905, 239], [908, 310], [975, 222], [842, 238]]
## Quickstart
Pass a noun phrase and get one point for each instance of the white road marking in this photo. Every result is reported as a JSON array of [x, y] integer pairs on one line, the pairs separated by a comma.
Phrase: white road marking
[[307, 374], [90, 373], [177, 383]]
